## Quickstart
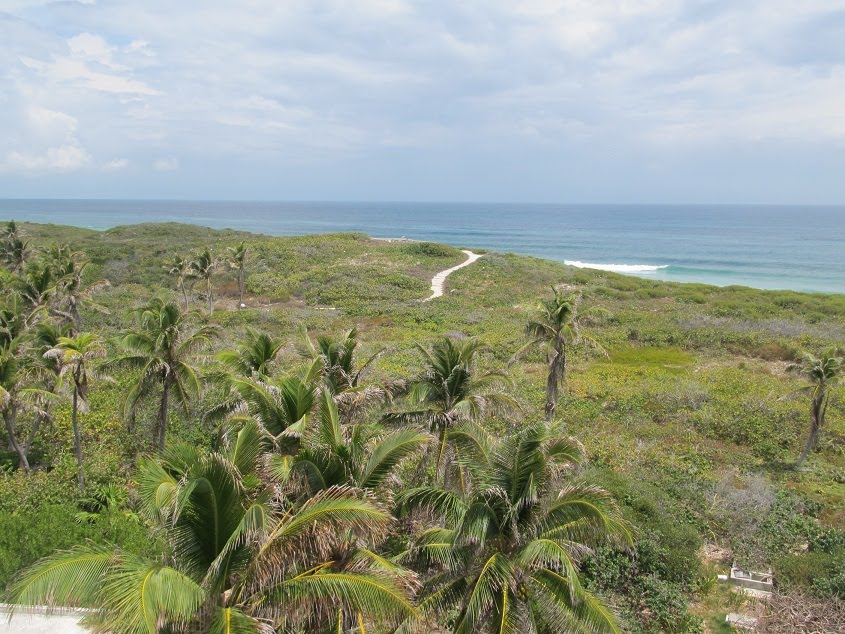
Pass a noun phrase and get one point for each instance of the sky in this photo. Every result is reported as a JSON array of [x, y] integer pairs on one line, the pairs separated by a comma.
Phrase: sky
[[627, 101]]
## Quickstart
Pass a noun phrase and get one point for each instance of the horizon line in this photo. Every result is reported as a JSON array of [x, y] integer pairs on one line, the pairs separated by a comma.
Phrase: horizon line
[[431, 202]]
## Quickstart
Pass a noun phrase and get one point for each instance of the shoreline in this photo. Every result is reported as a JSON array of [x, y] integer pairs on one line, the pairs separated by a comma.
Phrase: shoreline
[[659, 275]]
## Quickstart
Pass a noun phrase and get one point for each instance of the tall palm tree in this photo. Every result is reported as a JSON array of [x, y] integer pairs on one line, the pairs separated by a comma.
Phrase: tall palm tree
[[17, 376], [253, 355], [44, 337], [507, 558], [16, 317], [558, 330], [180, 268], [237, 262], [75, 356], [239, 559], [36, 284], [14, 249], [344, 455], [68, 267], [11, 387], [202, 267], [450, 396], [823, 373], [163, 347], [19, 391]]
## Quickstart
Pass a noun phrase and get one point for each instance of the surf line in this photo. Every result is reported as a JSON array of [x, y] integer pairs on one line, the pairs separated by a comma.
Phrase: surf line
[[439, 280]]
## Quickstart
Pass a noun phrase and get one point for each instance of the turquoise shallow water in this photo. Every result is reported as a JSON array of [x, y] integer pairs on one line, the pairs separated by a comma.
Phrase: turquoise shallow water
[[764, 246]]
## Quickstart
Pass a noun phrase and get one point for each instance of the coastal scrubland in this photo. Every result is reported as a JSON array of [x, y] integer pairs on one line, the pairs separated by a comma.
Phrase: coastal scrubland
[[687, 410]]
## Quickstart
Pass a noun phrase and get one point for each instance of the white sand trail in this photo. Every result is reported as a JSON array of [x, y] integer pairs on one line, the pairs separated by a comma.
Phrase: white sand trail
[[438, 281]]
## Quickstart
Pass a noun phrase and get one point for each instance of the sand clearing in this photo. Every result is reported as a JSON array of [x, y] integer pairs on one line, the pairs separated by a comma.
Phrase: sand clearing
[[439, 280]]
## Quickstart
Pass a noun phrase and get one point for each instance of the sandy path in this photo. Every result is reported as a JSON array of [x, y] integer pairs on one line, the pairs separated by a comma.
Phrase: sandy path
[[438, 281]]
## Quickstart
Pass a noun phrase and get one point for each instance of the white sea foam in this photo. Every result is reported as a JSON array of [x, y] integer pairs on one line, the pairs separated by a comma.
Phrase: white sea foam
[[618, 268]]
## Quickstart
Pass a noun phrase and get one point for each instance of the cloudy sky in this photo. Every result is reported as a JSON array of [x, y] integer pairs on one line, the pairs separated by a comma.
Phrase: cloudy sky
[[487, 100]]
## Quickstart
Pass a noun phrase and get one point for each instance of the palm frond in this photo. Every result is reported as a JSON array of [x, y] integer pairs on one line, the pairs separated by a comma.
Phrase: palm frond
[[233, 621], [388, 453], [138, 597], [494, 578], [433, 498], [565, 607], [584, 512], [67, 578]]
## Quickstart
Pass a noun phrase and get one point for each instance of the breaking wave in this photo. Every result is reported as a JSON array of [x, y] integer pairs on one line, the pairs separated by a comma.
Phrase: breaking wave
[[618, 268]]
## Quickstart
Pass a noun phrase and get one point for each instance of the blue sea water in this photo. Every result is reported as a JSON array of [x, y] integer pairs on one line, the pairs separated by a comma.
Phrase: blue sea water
[[763, 246]]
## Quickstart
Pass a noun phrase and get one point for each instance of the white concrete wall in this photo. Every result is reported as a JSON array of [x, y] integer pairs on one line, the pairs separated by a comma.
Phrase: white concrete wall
[[37, 621]]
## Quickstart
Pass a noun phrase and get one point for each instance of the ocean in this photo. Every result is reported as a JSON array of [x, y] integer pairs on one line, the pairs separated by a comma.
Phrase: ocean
[[763, 246]]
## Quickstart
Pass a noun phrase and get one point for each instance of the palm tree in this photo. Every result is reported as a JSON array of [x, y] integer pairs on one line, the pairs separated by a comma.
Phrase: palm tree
[[237, 260], [278, 406], [823, 373], [507, 558], [11, 385], [68, 267], [342, 376], [239, 559], [16, 318], [163, 347], [44, 337], [36, 284], [450, 396], [202, 267], [338, 455], [558, 329], [14, 250], [74, 355], [180, 268], [337, 358], [16, 371], [253, 355]]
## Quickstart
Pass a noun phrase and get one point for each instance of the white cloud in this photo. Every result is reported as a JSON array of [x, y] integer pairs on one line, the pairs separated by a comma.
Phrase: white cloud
[[343, 82], [167, 164], [141, 47], [76, 72], [51, 122], [116, 165], [51, 143], [64, 158], [92, 48]]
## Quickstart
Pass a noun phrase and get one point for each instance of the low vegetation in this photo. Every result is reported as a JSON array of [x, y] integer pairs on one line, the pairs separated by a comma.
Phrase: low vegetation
[[216, 431]]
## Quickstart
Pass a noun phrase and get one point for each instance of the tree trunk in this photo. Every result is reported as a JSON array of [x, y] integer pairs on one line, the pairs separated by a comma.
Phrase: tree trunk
[[557, 373], [185, 296], [241, 285], [210, 296], [816, 409], [162, 413], [9, 416], [76, 317], [441, 454], [422, 466], [77, 439], [36, 427]]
